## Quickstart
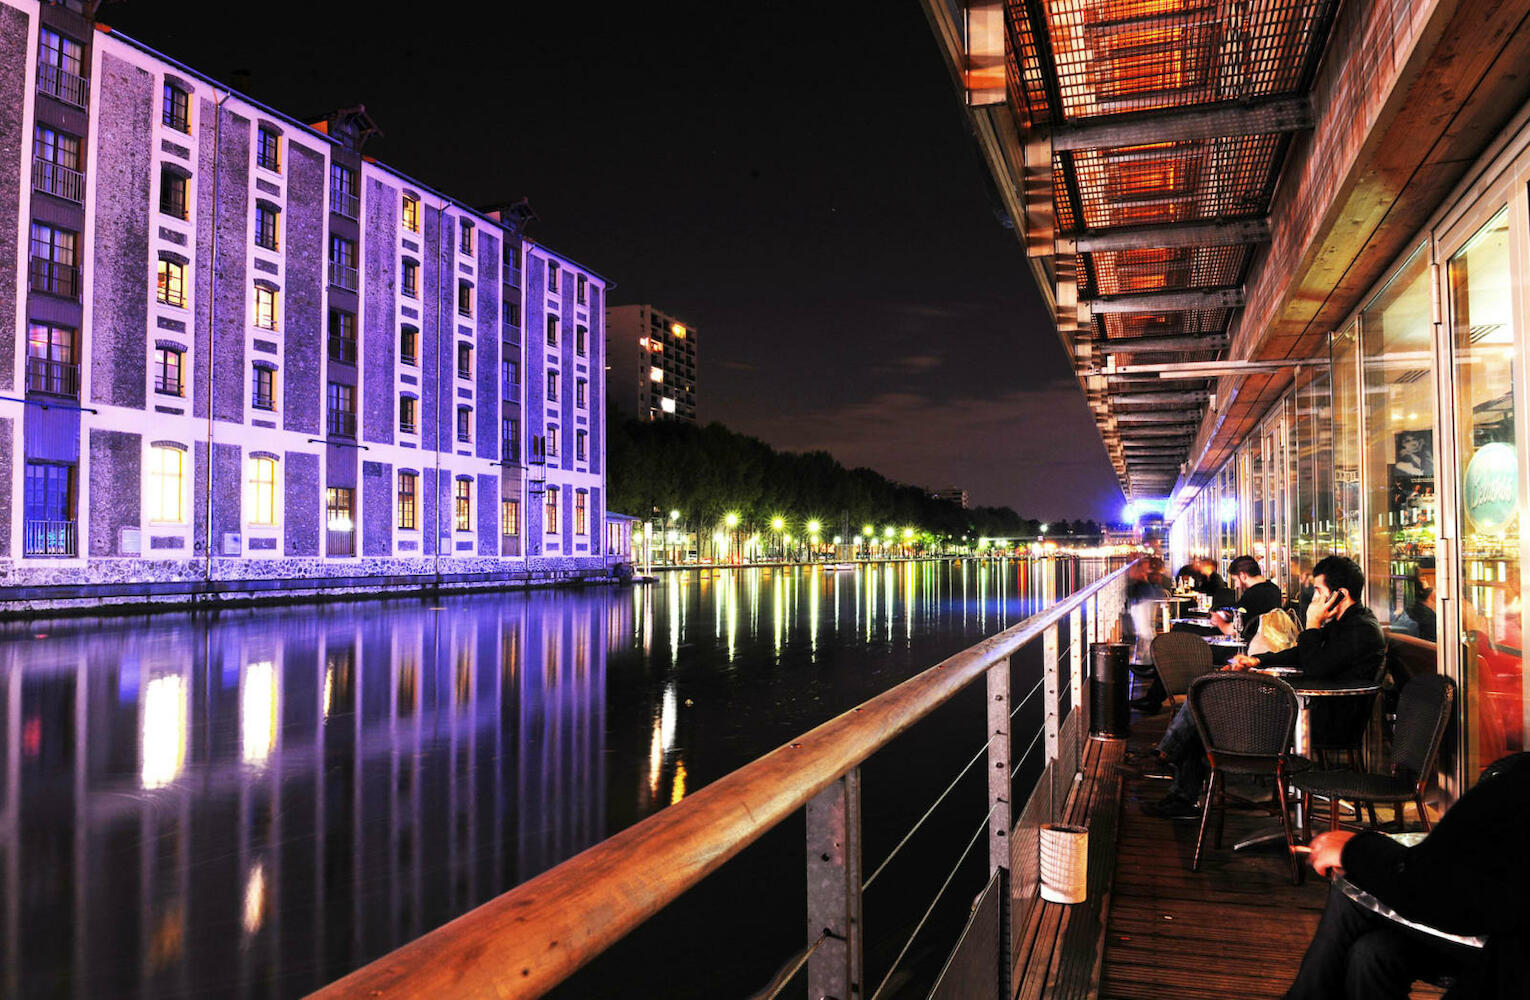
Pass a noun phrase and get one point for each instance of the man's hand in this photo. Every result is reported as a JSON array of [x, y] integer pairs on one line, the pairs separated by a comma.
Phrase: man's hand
[[1222, 622], [1328, 849], [1319, 615], [1242, 661]]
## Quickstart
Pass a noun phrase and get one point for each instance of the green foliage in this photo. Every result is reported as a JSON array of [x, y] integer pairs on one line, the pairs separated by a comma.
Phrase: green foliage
[[705, 472]]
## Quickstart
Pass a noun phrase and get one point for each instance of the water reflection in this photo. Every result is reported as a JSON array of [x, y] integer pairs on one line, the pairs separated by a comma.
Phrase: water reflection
[[260, 801]]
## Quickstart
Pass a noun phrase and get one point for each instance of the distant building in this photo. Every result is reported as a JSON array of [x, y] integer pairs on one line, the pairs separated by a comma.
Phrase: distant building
[[952, 494], [244, 349], [653, 364]]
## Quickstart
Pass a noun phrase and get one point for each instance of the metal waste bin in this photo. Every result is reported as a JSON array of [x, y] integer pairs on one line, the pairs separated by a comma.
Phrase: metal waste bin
[[1109, 687]]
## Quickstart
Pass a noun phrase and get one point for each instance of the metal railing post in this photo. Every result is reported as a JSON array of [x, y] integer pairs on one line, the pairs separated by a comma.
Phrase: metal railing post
[[834, 889], [1000, 819], [1076, 678]]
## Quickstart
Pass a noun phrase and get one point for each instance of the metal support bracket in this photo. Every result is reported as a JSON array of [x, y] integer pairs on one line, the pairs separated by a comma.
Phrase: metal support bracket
[[835, 971]]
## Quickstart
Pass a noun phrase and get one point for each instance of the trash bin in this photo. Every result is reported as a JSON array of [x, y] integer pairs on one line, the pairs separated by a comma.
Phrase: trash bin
[[1109, 687]]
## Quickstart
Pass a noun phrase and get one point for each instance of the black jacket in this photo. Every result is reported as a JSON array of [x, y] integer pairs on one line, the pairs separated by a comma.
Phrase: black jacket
[[1350, 649], [1255, 603], [1470, 876]]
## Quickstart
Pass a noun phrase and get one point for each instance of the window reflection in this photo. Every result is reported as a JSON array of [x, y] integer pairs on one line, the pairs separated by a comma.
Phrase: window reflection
[[162, 753], [1486, 364]]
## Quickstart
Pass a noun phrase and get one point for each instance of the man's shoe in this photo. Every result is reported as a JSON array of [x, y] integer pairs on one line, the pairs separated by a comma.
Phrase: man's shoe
[[1171, 807]]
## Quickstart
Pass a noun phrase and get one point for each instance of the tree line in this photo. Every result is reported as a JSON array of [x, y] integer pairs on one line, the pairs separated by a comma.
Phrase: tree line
[[707, 472]]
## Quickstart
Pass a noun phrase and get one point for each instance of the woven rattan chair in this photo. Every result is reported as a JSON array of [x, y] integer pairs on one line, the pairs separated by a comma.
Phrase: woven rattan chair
[[1424, 709], [1352, 743], [1180, 658], [1246, 721]]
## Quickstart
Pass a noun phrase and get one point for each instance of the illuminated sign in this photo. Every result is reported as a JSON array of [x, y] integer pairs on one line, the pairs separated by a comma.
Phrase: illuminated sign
[[1491, 490]]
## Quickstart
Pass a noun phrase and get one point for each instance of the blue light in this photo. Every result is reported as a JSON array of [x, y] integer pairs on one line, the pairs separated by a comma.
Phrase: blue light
[[1229, 509]]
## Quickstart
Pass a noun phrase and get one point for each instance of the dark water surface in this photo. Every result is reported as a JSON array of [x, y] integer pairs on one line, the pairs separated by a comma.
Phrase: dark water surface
[[253, 803]]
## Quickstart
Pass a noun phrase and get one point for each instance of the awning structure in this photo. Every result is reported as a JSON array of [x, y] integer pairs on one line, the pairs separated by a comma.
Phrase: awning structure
[[1215, 180]]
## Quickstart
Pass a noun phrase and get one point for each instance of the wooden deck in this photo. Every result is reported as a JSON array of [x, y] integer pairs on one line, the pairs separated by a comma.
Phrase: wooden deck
[[1237, 928]]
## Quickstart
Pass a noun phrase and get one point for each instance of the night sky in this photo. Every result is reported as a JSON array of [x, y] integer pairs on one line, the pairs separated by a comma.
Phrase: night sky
[[796, 180]]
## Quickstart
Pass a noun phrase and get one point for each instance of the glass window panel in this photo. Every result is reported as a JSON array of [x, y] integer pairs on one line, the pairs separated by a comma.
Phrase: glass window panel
[[1346, 445], [1486, 368], [1396, 373]]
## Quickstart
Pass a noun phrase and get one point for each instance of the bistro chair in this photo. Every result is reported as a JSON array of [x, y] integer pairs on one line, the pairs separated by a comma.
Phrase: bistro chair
[[1424, 709], [1180, 657], [1246, 721], [1352, 742]]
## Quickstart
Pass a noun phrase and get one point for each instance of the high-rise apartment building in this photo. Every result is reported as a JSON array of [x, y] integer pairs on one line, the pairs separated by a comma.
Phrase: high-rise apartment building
[[653, 363], [241, 349]]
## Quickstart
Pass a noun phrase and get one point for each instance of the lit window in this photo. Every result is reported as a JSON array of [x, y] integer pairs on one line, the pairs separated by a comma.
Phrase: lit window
[[338, 506], [464, 505], [655, 374], [268, 149], [510, 517], [678, 330], [666, 404], [265, 307], [411, 214], [551, 516], [260, 492], [406, 501], [166, 480], [172, 283], [581, 513]]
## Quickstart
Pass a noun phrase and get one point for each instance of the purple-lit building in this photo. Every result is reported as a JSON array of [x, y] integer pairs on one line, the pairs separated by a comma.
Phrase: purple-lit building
[[238, 349]]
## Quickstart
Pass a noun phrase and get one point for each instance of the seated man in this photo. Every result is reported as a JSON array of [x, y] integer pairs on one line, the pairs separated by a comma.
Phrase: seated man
[[1469, 877], [1342, 642]]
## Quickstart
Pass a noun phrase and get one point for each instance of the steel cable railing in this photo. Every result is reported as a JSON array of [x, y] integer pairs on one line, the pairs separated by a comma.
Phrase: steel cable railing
[[788, 971], [982, 752]]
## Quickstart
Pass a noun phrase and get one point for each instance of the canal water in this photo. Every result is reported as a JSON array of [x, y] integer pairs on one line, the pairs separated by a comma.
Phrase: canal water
[[254, 802]]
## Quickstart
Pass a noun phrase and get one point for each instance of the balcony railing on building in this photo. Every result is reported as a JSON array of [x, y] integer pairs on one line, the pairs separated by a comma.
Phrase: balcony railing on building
[[58, 180], [54, 278], [170, 385], [342, 423], [342, 276], [62, 84], [340, 541], [346, 204], [55, 378], [342, 349], [49, 538]]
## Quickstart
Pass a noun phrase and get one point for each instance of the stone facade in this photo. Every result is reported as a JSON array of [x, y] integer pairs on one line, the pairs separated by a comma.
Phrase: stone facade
[[290, 361]]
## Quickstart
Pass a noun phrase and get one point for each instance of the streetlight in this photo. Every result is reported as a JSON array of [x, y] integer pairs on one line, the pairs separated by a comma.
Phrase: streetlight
[[731, 520]]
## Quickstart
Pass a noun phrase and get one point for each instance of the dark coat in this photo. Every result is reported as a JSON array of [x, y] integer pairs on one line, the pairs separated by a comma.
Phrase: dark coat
[[1350, 649]]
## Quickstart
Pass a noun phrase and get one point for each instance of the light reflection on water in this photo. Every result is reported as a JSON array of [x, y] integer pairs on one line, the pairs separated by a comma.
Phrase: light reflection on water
[[262, 800]]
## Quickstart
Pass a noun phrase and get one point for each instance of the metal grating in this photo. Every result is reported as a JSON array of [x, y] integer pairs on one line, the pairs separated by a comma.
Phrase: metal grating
[[1125, 271], [1173, 182], [1066, 223], [1165, 324], [1120, 56]]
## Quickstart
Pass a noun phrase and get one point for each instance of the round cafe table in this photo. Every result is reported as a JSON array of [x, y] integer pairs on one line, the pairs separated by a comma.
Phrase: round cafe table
[[1364, 899]]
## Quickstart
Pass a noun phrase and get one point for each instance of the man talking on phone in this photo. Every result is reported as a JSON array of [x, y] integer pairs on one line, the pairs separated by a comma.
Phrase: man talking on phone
[[1342, 642]]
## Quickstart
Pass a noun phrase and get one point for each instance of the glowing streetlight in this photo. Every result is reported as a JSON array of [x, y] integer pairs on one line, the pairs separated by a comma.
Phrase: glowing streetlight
[[731, 519], [888, 531], [812, 527], [908, 534], [777, 523], [868, 531], [674, 515]]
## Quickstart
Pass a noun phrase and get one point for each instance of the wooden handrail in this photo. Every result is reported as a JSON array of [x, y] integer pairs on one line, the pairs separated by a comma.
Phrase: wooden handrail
[[530, 938]]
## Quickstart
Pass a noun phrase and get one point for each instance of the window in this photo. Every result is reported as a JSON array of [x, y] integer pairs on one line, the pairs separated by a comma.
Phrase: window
[[581, 335], [464, 505], [551, 516], [342, 263], [339, 502], [464, 423], [655, 374], [552, 331], [265, 307], [263, 391], [268, 149], [265, 225], [581, 393], [342, 191], [260, 491], [408, 410], [510, 440], [177, 108], [60, 63], [552, 441], [406, 501], [52, 361], [510, 518], [581, 513], [54, 267], [172, 194], [512, 313], [411, 214], [464, 299], [464, 360], [667, 404], [552, 387], [581, 444], [552, 276], [581, 289], [510, 372], [48, 509], [172, 283], [467, 236], [168, 364], [56, 164], [342, 409], [409, 345], [167, 468], [411, 279], [342, 336]]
